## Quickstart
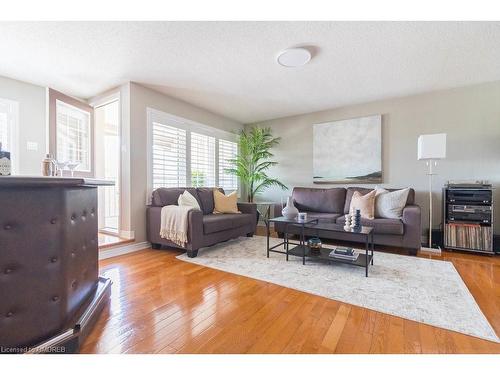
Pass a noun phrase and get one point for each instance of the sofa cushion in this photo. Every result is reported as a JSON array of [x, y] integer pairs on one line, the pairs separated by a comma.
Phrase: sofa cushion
[[213, 223], [187, 199], [364, 203], [225, 204], [348, 196], [167, 196], [390, 204], [323, 216], [350, 191], [206, 197], [319, 200], [380, 226]]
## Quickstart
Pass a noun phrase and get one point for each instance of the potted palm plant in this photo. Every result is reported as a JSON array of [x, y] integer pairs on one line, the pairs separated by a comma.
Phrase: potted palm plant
[[253, 161]]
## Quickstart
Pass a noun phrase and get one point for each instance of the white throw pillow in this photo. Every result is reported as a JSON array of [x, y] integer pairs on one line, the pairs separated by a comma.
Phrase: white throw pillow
[[390, 204], [186, 199]]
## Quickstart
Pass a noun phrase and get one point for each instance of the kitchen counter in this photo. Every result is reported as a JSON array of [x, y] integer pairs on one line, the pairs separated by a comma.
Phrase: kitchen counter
[[25, 181]]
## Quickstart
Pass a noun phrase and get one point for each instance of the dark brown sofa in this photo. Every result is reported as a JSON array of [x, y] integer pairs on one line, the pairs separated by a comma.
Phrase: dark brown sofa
[[204, 227], [332, 205]]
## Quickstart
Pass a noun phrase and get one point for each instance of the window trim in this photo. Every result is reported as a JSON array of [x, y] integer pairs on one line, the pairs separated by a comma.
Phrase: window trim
[[55, 96], [154, 115], [89, 135], [14, 136]]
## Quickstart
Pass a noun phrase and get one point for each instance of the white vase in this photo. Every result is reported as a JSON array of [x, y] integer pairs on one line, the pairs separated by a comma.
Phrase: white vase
[[347, 224], [290, 211]]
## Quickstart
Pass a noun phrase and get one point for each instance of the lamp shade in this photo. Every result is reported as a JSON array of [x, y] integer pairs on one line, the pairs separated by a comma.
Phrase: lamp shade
[[432, 146]]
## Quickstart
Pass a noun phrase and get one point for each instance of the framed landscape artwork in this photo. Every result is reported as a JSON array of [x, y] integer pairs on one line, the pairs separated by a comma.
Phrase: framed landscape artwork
[[348, 151]]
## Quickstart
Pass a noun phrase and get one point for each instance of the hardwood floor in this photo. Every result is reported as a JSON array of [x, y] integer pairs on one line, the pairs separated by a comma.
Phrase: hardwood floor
[[162, 305]]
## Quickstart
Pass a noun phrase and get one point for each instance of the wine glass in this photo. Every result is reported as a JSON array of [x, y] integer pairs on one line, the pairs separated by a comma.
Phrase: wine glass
[[60, 167], [72, 165]]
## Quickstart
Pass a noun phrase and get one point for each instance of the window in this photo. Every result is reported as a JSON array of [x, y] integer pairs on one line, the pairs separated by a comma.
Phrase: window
[[184, 153], [227, 151], [107, 158], [168, 156], [8, 127], [73, 135], [202, 160]]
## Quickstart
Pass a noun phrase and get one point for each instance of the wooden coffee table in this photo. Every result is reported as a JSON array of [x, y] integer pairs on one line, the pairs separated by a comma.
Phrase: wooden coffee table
[[317, 226]]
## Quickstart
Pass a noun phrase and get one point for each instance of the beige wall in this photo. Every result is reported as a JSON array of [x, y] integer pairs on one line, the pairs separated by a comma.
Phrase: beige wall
[[140, 99], [32, 122], [470, 116]]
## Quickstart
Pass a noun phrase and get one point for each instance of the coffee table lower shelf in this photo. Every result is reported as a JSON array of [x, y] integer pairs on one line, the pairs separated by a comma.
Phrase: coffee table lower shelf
[[298, 251]]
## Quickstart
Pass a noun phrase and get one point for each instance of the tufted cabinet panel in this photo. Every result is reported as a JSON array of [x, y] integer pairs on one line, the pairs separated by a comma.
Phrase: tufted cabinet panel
[[48, 260]]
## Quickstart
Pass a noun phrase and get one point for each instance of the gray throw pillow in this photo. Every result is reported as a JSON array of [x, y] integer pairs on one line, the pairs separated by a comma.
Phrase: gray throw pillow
[[390, 204]]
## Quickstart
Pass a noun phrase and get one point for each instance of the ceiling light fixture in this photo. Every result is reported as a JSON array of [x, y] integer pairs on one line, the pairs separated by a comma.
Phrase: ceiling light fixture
[[294, 57]]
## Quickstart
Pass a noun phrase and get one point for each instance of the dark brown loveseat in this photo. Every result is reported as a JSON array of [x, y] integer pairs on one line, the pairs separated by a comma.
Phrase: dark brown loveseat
[[332, 205], [204, 227]]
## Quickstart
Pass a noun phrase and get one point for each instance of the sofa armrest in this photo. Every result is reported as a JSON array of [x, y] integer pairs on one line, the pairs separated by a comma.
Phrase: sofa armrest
[[249, 208], [412, 221], [195, 229], [153, 219]]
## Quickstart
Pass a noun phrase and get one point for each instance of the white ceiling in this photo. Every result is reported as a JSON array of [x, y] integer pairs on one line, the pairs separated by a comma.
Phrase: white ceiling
[[229, 68]]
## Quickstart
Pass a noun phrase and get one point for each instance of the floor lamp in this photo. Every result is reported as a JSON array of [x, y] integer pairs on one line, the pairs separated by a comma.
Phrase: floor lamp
[[431, 147]]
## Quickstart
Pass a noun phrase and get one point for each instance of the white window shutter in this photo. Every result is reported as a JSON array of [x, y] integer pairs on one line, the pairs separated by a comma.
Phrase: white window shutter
[[168, 156], [227, 151], [185, 153], [202, 160]]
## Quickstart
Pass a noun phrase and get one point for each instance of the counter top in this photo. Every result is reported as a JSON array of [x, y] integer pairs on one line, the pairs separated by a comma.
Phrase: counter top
[[29, 181]]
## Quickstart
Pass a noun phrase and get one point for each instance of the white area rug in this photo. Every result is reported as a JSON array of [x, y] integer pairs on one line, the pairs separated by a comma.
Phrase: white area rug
[[423, 290]]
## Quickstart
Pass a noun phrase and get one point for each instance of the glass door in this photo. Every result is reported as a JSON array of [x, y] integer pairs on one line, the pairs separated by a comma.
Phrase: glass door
[[108, 160]]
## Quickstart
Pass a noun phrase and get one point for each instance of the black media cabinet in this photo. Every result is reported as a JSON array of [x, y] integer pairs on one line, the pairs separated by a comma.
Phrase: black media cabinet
[[468, 218]]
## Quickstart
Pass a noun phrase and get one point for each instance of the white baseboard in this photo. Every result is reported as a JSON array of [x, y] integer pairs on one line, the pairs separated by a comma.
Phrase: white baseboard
[[123, 249]]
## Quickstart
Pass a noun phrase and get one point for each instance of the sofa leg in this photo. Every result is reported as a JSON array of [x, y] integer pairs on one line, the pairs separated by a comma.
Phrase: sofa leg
[[249, 234], [413, 252], [156, 246], [192, 253]]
